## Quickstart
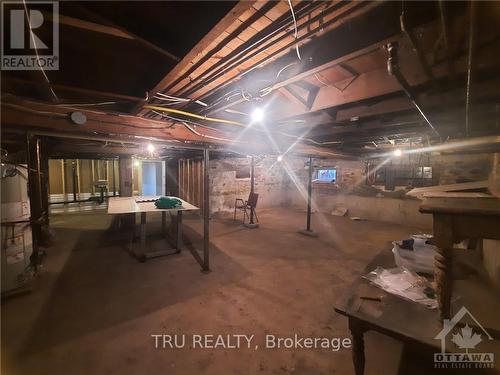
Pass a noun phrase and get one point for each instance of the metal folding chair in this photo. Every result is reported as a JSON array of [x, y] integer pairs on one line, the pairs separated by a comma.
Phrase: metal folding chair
[[246, 206]]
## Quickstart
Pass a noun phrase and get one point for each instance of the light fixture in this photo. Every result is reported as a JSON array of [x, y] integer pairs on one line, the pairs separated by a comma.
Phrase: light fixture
[[397, 152], [151, 148], [279, 158], [257, 115], [136, 163]]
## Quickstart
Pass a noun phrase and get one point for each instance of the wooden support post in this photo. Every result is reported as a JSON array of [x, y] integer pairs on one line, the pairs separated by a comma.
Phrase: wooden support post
[[126, 176], [206, 211], [443, 234], [35, 195]]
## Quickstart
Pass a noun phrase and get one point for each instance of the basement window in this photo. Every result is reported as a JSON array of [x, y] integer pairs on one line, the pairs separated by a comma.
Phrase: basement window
[[326, 175], [243, 172]]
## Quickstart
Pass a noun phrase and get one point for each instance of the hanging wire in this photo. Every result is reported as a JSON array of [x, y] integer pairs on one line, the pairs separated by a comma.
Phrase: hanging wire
[[37, 55], [296, 34]]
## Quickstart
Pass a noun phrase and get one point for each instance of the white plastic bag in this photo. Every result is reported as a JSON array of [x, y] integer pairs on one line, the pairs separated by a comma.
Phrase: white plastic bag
[[404, 283], [420, 259]]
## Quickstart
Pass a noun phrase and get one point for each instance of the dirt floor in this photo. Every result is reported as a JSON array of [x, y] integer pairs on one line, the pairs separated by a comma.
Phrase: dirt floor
[[94, 308]]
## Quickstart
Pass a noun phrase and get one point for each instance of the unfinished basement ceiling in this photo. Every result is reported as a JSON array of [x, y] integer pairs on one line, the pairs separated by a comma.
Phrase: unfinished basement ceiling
[[322, 81]]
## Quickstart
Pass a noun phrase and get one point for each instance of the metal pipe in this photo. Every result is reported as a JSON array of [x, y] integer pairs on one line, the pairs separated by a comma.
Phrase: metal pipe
[[73, 168], [309, 194], [393, 69], [206, 213], [444, 30], [472, 25], [114, 183]]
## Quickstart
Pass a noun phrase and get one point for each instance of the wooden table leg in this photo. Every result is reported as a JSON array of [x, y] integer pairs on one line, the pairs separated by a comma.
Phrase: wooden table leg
[[179, 231], [443, 234], [358, 346]]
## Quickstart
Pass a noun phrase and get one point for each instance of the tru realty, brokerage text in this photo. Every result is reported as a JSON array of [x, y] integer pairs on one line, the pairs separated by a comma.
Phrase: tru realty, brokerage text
[[246, 341]]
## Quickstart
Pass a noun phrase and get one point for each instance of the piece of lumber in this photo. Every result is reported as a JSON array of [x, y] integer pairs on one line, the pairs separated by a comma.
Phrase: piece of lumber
[[419, 192]]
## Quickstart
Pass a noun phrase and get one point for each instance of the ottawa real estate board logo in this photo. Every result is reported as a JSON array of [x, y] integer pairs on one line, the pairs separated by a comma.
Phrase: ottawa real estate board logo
[[467, 339], [30, 35]]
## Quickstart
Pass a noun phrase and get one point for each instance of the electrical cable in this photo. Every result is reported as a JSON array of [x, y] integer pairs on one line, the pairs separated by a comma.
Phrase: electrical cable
[[36, 52], [84, 104], [296, 31], [189, 114]]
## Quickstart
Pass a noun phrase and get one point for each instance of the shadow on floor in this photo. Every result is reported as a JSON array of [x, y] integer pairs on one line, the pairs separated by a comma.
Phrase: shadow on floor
[[102, 286]]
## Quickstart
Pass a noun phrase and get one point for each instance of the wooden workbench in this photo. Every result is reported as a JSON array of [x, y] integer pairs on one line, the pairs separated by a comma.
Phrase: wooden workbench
[[368, 307], [144, 205], [457, 217]]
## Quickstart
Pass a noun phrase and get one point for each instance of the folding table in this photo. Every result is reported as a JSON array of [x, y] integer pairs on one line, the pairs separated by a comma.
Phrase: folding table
[[143, 205]]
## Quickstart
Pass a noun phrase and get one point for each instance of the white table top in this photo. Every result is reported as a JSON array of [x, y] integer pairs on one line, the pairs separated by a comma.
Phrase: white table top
[[130, 205]]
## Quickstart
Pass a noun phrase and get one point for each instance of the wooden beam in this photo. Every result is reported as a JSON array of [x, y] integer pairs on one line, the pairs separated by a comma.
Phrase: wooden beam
[[87, 25], [91, 93], [132, 129], [112, 30], [318, 69], [377, 83], [209, 38]]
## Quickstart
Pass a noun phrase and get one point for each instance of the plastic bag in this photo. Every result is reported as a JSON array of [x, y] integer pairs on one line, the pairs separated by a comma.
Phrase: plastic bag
[[420, 259], [404, 283]]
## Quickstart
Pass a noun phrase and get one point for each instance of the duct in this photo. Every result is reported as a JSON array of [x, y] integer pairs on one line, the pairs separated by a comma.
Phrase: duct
[[421, 58], [444, 30], [393, 69]]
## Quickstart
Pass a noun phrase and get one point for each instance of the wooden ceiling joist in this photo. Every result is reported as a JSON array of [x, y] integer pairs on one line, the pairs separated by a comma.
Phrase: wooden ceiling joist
[[207, 40], [32, 116]]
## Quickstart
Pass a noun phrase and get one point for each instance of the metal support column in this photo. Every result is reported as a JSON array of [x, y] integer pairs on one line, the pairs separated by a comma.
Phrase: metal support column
[[308, 231], [251, 224], [309, 193], [73, 169], [206, 211], [114, 182]]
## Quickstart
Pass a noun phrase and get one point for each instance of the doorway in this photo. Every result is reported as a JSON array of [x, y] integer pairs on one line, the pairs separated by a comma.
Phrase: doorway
[[152, 178]]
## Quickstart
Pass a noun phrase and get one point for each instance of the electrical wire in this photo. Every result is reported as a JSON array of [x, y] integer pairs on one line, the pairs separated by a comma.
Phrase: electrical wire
[[84, 104], [36, 52], [296, 35], [173, 97], [189, 114], [320, 81]]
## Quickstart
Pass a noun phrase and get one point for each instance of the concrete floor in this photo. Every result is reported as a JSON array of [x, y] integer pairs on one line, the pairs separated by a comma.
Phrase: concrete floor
[[93, 309]]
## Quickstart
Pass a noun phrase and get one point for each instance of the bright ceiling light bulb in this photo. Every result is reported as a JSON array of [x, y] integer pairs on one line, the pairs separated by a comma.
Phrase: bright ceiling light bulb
[[257, 115], [151, 148], [136, 163], [280, 158], [398, 152]]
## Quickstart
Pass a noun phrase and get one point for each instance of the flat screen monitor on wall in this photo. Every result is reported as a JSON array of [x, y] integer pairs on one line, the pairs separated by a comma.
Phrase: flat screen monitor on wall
[[326, 175]]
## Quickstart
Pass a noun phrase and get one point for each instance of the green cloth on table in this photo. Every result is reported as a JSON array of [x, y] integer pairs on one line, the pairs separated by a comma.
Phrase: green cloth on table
[[167, 202]]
